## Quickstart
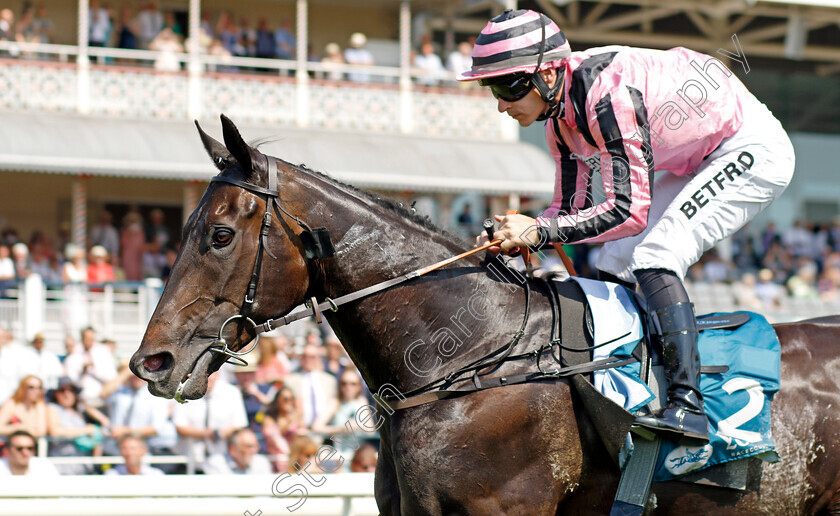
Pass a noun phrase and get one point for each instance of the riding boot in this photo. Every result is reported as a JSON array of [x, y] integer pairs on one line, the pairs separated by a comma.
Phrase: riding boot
[[683, 416]]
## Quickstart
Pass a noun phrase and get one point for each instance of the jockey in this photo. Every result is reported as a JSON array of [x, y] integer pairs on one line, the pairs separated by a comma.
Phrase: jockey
[[614, 116]]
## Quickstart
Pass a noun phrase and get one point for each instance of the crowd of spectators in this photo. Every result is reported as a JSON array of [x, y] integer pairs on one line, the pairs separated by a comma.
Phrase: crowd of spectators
[[139, 249], [144, 26], [267, 417]]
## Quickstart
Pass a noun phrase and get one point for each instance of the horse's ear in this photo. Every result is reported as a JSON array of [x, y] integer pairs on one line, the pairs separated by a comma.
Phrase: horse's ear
[[236, 145], [218, 153]]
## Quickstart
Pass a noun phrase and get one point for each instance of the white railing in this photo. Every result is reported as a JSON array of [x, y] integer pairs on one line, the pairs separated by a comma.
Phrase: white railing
[[124, 83], [118, 311], [345, 494]]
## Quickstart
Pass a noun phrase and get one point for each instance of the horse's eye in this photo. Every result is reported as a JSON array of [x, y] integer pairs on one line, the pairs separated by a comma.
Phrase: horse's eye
[[222, 237]]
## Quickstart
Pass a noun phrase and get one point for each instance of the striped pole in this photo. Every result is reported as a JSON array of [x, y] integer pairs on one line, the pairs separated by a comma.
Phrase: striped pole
[[79, 204], [406, 104], [190, 200], [302, 56]]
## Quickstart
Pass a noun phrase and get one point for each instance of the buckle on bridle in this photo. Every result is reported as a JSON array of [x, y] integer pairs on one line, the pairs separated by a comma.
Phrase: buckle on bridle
[[221, 346]]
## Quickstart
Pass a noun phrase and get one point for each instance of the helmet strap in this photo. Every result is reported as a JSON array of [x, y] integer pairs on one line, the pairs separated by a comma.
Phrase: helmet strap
[[548, 94]]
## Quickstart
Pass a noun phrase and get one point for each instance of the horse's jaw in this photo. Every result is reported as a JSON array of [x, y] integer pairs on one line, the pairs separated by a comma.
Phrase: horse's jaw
[[183, 379]]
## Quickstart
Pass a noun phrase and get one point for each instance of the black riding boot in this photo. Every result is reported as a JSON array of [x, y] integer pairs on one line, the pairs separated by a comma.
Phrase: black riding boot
[[683, 416]]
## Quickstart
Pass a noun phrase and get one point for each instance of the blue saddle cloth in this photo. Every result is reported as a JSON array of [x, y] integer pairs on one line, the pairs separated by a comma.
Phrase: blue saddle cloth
[[737, 401]]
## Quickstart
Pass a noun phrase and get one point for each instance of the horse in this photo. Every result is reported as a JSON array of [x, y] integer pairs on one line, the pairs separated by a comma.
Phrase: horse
[[520, 449]]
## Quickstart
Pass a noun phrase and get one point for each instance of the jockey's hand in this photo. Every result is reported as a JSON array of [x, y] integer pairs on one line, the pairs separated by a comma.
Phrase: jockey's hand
[[482, 239], [516, 230]]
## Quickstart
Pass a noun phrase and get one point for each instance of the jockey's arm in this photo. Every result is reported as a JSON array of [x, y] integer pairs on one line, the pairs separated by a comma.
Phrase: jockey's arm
[[617, 125]]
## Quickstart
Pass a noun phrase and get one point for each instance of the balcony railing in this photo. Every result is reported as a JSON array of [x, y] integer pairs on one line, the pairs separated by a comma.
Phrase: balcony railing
[[124, 83]]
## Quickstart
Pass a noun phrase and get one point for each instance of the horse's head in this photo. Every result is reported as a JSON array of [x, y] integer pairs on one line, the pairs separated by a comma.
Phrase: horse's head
[[209, 280]]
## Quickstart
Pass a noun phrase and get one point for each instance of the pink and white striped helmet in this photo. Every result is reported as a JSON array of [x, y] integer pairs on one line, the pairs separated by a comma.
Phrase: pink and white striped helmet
[[510, 43]]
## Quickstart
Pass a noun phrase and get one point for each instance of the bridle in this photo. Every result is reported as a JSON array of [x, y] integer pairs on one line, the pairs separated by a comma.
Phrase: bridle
[[317, 245]]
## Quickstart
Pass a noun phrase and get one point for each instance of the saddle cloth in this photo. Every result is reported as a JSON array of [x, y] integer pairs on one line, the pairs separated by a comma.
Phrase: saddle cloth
[[737, 401]]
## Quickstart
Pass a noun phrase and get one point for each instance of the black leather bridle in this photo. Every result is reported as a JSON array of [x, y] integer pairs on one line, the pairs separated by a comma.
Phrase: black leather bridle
[[316, 245]]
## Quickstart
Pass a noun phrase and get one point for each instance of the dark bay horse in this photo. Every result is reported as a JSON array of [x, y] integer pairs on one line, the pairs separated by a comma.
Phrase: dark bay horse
[[516, 450]]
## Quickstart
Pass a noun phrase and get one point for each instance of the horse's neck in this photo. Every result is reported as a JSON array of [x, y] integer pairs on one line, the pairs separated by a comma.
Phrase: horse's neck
[[416, 332]]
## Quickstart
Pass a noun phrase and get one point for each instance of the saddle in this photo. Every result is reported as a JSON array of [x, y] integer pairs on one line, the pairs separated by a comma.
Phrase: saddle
[[671, 461]]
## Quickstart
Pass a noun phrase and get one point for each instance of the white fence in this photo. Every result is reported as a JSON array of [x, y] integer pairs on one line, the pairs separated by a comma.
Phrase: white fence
[[344, 494]]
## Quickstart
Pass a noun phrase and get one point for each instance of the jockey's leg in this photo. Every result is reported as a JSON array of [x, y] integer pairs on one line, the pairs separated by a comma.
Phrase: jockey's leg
[[673, 317]]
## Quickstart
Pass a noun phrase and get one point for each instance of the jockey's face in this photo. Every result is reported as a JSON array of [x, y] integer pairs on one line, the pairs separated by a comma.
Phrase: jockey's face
[[527, 109]]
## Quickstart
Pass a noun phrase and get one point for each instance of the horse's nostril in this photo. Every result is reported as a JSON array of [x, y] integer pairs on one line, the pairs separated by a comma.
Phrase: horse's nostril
[[155, 362]]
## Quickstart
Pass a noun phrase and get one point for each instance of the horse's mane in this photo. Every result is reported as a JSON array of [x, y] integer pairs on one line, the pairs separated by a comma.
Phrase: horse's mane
[[389, 204]]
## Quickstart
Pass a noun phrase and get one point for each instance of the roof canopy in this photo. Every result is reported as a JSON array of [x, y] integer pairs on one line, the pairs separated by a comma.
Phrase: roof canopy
[[173, 150]]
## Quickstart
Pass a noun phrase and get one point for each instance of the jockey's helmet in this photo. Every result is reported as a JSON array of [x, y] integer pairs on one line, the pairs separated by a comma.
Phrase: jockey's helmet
[[511, 49]]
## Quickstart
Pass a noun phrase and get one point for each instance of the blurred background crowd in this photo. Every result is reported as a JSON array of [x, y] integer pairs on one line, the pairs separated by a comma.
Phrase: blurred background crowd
[[222, 34], [271, 416]]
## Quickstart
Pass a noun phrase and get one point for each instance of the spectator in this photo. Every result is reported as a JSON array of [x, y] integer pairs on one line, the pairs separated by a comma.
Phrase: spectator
[[157, 231], [20, 457], [803, 284], [315, 388], [20, 257], [98, 269], [340, 419], [364, 460], [90, 367], [100, 25], [254, 395], [14, 364], [302, 456], [168, 46], [133, 241], [226, 32], [26, 409], [274, 365], [44, 363], [154, 259], [129, 35], [26, 29], [798, 240], [242, 457], [767, 290], [169, 22], [74, 269], [333, 60], [106, 235], [336, 359], [66, 423], [829, 284], [150, 22], [430, 64], [43, 26], [460, 60], [247, 38], [7, 33], [205, 423], [285, 40], [358, 55], [265, 44], [745, 294], [136, 411], [280, 425], [7, 265], [133, 449]]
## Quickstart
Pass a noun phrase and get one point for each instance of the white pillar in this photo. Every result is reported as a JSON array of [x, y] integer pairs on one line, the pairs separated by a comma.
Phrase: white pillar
[[35, 294], [194, 66], [82, 60], [406, 103], [302, 73], [513, 201], [79, 205]]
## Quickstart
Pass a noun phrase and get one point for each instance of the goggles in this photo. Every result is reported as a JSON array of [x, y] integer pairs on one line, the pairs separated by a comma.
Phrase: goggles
[[509, 88]]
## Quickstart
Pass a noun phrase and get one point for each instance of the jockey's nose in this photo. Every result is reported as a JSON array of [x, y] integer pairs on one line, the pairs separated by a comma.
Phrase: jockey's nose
[[502, 105]]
